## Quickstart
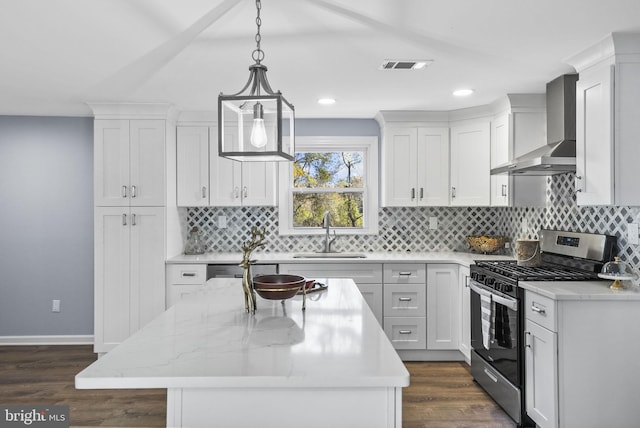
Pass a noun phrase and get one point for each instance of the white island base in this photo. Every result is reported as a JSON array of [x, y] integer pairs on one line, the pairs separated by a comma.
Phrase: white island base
[[329, 366]]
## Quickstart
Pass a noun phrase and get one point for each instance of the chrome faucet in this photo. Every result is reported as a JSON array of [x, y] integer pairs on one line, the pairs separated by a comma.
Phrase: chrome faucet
[[327, 227]]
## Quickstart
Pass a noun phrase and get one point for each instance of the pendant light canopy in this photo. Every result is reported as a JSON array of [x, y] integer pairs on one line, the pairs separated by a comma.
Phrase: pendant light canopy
[[256, 124]]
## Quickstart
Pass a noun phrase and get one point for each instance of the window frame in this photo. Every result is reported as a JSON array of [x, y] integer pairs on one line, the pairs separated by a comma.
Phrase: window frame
[[368, 145]]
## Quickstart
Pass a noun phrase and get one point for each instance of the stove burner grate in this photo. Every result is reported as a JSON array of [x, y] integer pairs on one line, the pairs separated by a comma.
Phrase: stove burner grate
[[546, 272]]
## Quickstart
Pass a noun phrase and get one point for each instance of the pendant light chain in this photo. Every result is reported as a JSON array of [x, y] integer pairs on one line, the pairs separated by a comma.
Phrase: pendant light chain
[[258, 54]]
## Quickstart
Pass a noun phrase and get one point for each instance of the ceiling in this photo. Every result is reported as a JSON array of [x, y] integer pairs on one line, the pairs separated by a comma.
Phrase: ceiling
[[57, 55]]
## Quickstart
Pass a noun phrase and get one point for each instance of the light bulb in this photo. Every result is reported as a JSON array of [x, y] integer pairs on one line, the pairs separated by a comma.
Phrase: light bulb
[[258, 132]]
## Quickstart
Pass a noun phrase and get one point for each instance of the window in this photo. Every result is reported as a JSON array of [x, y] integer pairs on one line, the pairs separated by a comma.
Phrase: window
[[335, 174]]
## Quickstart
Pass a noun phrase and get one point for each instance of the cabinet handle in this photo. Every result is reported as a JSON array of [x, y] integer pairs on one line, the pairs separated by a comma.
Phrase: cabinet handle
[[236, 192], [421, 193], [204, 192], [578, 183], [527, 344], [124, 219], [404, 299], [413, 193], [188, 274], [124, 191], [404, 273], [133, 219], [405, 332], [453, 192], [538, 310], [491, 376], [244, 192], [467, 280], [504, 190], [133, 191]]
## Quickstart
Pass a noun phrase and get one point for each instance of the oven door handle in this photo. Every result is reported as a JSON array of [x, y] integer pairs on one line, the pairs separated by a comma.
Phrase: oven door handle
[[505, 301]]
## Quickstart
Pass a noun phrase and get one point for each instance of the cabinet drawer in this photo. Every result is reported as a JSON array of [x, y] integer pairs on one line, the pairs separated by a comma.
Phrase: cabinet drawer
[[405, 300], [405, 273], [176, 292], [361, 273], [406, 333], [541, 310], [186, 274]]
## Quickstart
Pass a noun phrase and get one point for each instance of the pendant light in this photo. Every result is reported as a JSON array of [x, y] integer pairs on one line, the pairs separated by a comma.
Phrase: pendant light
[[256, 124]]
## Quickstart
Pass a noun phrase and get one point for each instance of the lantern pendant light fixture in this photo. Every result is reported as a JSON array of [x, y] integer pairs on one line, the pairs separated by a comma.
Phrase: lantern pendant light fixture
[[256, 125]]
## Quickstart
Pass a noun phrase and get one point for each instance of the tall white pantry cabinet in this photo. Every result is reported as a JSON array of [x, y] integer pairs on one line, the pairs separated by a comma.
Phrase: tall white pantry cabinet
[[130, 221]]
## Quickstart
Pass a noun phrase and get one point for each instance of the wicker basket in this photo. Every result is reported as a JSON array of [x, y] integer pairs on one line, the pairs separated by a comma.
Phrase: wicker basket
[[485, 243]]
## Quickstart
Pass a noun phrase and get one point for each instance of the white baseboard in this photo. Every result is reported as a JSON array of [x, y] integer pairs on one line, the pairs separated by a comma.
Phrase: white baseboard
[[46, 340]]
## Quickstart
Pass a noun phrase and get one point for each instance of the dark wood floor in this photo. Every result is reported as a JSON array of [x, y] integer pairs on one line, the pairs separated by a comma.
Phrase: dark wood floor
[[441, 395]]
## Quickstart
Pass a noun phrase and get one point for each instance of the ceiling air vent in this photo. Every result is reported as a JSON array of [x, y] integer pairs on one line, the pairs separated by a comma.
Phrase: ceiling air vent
[[396, 64]]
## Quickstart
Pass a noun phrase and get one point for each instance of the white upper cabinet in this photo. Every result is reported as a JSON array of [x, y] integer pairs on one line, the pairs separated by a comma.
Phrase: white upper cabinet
[[500, 156], [205, 179], [519, 128], [129, 161], [240, 183], [192, 166], [415, 166], [470, 164], [607, 125]]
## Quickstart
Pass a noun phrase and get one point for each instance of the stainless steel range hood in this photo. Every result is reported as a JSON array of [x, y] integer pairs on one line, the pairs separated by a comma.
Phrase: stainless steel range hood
[[559, 154]]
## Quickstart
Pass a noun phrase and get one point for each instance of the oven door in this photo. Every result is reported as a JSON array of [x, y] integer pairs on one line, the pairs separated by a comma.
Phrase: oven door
[[499, 343]]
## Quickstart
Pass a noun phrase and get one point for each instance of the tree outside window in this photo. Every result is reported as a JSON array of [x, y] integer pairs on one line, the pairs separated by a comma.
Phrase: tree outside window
[[334, 174]]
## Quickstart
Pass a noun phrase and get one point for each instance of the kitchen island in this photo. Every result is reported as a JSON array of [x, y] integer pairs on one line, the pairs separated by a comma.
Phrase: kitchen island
[[331, 365]]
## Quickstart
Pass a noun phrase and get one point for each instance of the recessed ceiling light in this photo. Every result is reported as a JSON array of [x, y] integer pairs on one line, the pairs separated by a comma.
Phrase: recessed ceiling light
[[462, 92], [326, 101]]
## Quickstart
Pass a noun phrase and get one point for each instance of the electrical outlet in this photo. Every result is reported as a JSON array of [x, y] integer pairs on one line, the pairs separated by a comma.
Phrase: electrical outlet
[[222, 222], [507, 245], [433, 223], [55, 306], [525, 224], [632, 233]]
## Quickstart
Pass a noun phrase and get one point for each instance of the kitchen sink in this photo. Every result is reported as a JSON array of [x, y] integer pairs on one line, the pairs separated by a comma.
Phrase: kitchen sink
[[321, 255]]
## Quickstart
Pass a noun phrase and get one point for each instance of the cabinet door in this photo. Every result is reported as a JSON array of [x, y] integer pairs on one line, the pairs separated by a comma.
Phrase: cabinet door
[[594, 137], [432, 170], [372, 294], [147, 157], [470, 165], [112, 296], [193, 166], [399, 167], [225, 175], [111, 163], [443, 307], [465, 313], [500, 156], [541, 375], [147, 291], [259, 184]]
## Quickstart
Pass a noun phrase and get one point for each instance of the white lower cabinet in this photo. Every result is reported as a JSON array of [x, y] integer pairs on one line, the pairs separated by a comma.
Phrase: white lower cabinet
[[581, 361], [183, 279], [129, 266], [443, 307], [465, 312], [367, 276], [405, 305]]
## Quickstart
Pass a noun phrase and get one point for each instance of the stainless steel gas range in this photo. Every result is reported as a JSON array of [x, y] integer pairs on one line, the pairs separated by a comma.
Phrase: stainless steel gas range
[[497, 315]]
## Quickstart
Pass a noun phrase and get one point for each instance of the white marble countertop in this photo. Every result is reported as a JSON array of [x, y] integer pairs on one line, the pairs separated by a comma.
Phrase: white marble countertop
[[581, 290], [461, 258], [208, 340]]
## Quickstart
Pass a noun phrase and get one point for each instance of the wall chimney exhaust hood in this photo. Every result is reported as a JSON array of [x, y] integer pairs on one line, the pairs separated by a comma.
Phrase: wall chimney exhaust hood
[[559, 154]]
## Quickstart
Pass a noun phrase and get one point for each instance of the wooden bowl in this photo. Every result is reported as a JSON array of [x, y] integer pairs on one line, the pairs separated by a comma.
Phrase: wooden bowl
[[485, 243], [278, 286]]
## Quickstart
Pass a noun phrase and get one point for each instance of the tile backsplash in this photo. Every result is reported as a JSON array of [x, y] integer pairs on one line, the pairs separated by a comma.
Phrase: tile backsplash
[[406, 229]]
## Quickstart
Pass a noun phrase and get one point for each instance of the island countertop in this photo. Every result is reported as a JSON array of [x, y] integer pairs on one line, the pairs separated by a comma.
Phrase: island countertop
[[207, 340]]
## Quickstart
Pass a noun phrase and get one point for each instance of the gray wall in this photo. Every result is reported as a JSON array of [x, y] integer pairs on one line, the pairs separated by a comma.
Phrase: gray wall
[[46, 224]]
